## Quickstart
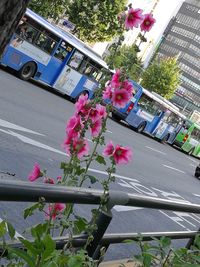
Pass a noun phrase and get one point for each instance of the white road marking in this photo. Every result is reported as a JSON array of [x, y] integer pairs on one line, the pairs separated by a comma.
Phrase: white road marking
[[192, 165], [116, 175], [158, 151], [192, 160], [125, 208], [108, 131], [13, 126], [172, 168], [33, 142], [89, 140]]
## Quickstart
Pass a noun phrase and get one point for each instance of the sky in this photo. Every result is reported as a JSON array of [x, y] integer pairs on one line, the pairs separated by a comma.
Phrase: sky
[[164, 11]]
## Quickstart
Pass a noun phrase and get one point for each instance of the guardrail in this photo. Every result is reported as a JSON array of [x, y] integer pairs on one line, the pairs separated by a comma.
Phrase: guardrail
[[31, 192]]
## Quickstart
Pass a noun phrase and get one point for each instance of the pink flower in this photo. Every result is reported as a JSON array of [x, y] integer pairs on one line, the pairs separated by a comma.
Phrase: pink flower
[[147, 23], [122, 155], [82, 105], [77, 146], [54, 210], [49, 180], [59, 178], [109, 149], [74, 126], [94, 114], [133, 18], [95, 128], [36, 173], [107, 93], [102, 111], [128, 87], [120, 98], [115, 82]]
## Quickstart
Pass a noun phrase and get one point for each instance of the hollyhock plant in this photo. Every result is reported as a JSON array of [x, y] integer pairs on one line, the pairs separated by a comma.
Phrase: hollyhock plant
[[54, 210], [120, 98], [116, 79], [94, 114], [35, 173], [102, 111], [82, 105], [49, 180], [77, 146], [74, 126], [133, 18], [107, 93], [109, 149], [95, 128], [147, 23], [122, 155]]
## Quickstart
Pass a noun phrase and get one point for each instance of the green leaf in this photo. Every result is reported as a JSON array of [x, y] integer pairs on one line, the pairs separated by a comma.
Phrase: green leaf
[[11, 230], [30, 246], [3, 228], [100, 160], [23, 255], [80, 225], [92, 178], [165, 242], [29, 211]]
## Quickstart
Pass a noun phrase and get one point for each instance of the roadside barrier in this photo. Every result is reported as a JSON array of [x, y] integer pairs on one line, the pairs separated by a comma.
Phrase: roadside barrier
[[18, 191]]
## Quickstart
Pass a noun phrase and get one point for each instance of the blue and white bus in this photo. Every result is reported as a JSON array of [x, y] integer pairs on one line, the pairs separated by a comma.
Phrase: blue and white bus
[[46, 53], [150, 113]]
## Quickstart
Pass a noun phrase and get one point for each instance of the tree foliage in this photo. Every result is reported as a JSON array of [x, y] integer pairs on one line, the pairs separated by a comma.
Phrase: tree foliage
[[11, 12], [162, 76], [125, 57], [96, 21], [49, 8]]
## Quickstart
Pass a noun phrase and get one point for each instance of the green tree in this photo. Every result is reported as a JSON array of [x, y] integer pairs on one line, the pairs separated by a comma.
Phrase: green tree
[[162, 76], [125, 57], [49, 8], [96, 21]]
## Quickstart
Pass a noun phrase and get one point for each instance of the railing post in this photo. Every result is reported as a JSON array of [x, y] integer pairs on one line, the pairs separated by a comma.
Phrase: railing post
[[102, 223], [191, 241]]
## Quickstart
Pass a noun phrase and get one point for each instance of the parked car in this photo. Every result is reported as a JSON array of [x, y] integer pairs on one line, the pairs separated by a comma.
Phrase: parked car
[[197, 171]]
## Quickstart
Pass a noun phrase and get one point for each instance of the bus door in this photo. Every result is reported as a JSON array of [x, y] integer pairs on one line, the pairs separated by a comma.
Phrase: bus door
[[163, 126], [57, 63]]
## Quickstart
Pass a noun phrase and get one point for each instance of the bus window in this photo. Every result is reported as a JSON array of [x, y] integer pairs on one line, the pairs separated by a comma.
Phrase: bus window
[[62, 51], [76, 60], [45, 43], [196, 134], [149, 105]]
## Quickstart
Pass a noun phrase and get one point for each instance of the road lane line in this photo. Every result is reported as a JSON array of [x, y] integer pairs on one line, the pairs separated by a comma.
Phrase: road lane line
[[108, 131], [172, 168], [158, 151], [13, 126]]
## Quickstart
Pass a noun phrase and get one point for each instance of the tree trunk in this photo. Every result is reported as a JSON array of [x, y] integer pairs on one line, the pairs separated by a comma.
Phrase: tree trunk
[[11, 12]]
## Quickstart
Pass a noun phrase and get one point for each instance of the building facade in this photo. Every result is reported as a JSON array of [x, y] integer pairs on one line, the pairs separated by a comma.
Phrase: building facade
[[182, 39]]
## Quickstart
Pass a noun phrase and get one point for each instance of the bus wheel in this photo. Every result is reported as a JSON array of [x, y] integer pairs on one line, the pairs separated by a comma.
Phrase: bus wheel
[[141, 127], [27, 71]]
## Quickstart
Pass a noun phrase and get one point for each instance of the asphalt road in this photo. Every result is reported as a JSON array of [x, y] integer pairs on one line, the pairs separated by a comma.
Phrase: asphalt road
[[32, 129]]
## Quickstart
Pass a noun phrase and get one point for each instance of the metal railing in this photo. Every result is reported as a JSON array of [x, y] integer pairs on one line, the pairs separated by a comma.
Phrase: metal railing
[[19, 191]]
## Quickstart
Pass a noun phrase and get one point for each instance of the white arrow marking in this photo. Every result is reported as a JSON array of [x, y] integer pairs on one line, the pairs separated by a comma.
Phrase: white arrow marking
[[13, 126], [33, 142]]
